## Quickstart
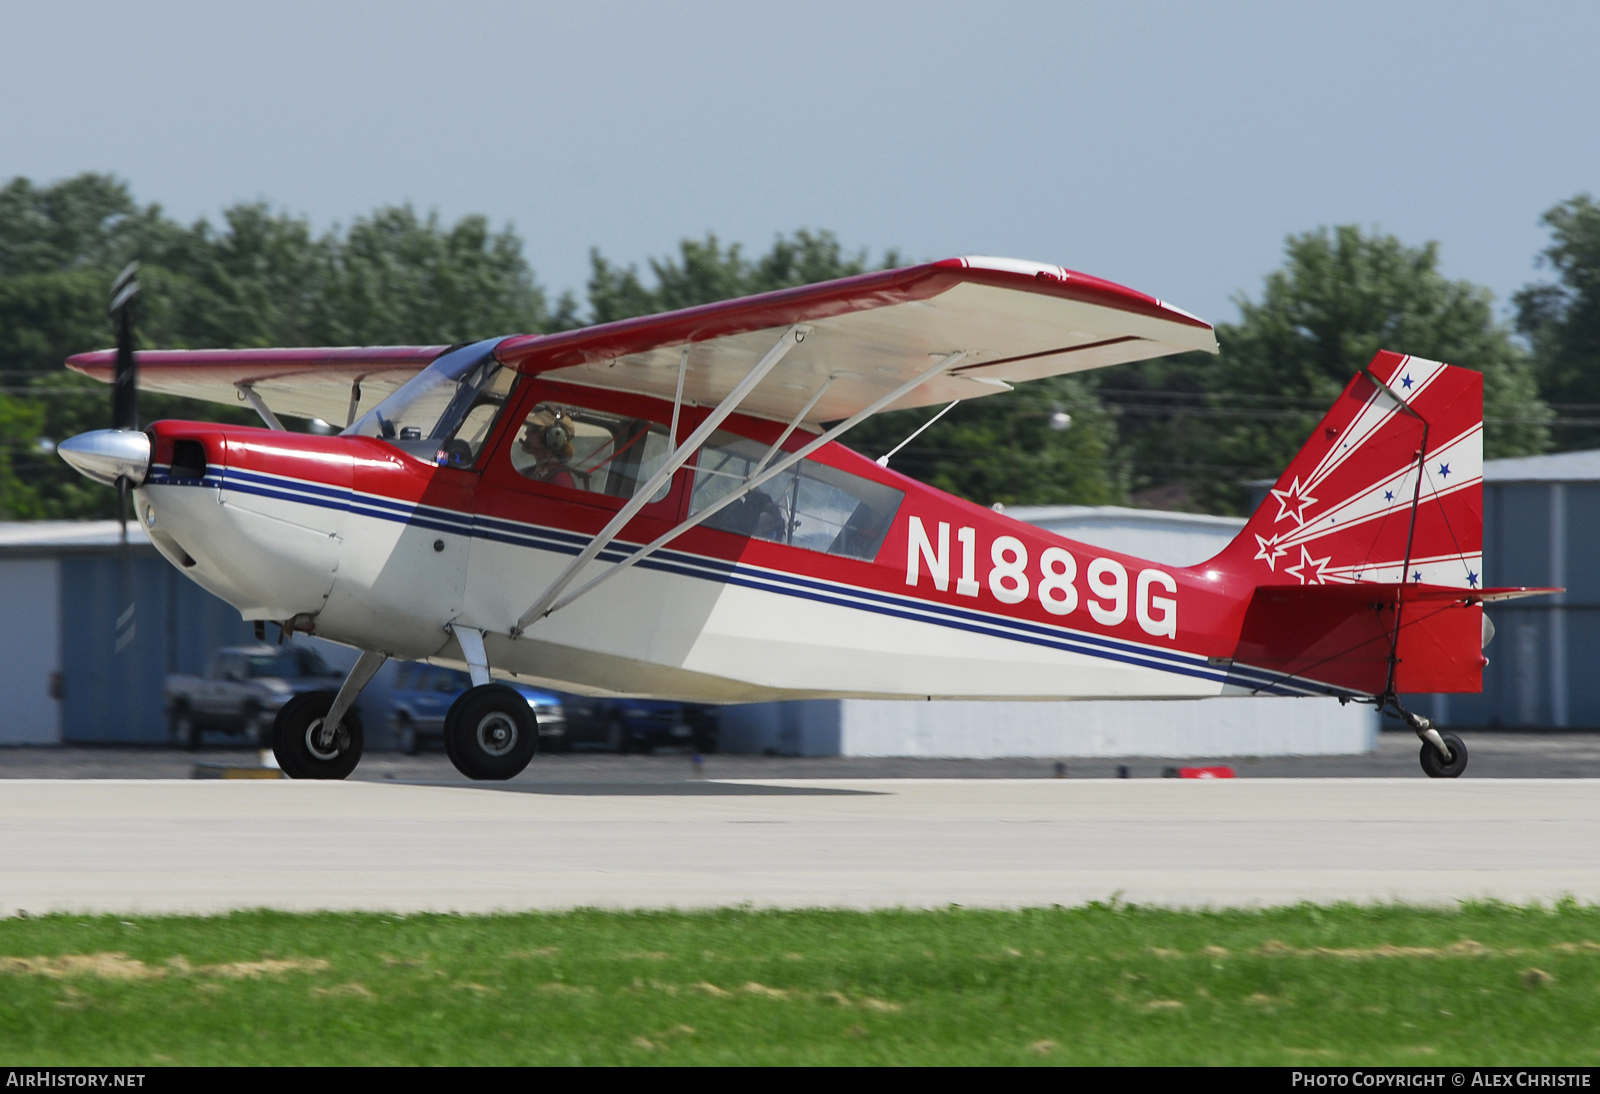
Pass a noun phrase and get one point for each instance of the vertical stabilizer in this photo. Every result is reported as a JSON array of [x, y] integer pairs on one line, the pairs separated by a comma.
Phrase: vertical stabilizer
[[1405, 436], [1388, 492]]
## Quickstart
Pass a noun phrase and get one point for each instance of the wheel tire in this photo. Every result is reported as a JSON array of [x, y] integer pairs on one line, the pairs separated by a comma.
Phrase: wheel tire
[[490, 732], [292, 739], [1436, 766], [406, 736], [184, 733], [445, 737], [617, 738]]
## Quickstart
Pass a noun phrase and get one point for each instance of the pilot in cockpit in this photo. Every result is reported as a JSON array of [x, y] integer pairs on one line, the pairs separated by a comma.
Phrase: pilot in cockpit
[[544, 451]]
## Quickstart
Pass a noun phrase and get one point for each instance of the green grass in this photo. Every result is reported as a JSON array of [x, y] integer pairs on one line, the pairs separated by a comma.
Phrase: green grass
[[1486, 984]]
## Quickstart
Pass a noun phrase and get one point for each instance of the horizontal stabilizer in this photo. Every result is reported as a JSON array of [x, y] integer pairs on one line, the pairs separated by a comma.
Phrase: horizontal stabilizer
[[1343, 635], [1407, 594]]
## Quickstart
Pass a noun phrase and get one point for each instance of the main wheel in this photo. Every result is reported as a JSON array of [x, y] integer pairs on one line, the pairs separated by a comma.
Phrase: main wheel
[[490, 732], [1436, 766], [304, 749]]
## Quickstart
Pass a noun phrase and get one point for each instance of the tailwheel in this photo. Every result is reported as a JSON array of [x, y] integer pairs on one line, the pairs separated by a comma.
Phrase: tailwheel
[[305, 746], [1438, 766], [490, 732]]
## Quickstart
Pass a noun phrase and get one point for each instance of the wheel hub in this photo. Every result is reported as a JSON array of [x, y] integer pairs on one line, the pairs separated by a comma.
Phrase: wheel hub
[[325, 745], [497, 734]]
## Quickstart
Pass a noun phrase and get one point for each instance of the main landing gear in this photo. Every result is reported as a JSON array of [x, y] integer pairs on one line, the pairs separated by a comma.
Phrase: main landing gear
[[1443, 755], [490, 732], [318, 735]]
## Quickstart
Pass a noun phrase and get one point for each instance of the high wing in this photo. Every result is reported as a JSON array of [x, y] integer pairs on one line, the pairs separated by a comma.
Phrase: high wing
[[1014, 321], [858, 338], [307, 383]]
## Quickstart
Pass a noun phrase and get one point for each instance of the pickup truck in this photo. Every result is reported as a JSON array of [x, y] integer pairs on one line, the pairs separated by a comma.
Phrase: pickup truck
[[242, 691]]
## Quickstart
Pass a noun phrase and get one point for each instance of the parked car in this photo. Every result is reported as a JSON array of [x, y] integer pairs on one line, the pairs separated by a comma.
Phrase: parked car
[[242, 690], [639, 725], [422, 695]]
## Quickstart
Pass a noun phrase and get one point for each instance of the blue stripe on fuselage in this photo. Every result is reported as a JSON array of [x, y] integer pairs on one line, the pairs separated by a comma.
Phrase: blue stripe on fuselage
[[688, 565]]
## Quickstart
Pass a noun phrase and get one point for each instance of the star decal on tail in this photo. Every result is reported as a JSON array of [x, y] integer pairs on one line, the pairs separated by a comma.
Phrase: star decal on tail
[[1293, 502], [1299, 568], [1269, 551]]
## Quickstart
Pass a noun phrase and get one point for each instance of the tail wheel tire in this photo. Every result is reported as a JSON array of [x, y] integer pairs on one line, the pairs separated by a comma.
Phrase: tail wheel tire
[[304, 747], [490, 732], [1437, 766]]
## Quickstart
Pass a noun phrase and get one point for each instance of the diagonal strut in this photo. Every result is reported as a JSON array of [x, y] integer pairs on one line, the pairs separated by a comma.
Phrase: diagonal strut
[[945, 363], [730, 402]]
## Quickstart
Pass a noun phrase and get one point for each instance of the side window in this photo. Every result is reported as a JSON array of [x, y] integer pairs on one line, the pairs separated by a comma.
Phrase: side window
[[810, 505], [592, 450]]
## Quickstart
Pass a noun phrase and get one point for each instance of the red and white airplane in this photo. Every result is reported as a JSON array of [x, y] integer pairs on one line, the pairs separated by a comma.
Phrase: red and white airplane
[[658, 507]]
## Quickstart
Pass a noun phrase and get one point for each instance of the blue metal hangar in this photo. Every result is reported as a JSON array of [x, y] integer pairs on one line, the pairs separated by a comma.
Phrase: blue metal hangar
[[1541, 526]]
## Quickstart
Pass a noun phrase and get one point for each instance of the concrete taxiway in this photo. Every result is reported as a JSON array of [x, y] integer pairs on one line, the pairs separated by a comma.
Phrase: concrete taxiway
[[205, 846]]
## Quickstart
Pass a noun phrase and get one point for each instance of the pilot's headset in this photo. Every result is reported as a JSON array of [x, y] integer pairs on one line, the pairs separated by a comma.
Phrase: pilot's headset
[[557, 433]]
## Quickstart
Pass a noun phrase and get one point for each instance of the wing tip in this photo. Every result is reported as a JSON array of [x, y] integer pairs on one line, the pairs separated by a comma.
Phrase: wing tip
[[1017, 272]]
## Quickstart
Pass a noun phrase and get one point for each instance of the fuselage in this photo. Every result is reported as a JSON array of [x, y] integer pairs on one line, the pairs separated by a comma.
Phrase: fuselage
[[362, 542]]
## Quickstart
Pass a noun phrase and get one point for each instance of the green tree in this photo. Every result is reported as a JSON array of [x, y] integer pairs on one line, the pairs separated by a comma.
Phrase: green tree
[[1002, 448], [1562, 320], [703, 272], [396, 278], [1341, 296], [261, 278]]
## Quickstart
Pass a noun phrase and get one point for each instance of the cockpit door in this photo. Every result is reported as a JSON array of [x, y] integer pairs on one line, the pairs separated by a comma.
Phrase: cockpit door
[[566, 462]]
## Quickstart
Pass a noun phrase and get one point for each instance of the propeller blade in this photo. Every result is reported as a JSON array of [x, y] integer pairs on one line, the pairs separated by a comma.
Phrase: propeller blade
[[125, 377], [125, 416]]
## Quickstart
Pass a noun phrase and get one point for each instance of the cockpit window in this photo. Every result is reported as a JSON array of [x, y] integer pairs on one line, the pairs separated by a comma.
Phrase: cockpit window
[[810, 505], [593, 450], [445, 412]]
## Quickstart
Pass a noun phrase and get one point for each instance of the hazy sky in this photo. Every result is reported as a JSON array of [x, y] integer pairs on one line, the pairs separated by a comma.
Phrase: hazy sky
[[1170, 146]]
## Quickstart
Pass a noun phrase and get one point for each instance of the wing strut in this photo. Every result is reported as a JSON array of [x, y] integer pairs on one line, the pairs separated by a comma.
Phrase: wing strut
[[355, 403], [794, 423], [945, 363], [248, 393], [730, 402]]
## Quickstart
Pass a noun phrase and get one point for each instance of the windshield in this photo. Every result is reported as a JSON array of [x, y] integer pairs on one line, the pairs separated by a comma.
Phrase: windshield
[[443, 413]]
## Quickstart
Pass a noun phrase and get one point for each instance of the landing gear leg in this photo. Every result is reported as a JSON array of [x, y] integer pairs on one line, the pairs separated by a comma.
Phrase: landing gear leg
[[317, 735], [1443, 755]]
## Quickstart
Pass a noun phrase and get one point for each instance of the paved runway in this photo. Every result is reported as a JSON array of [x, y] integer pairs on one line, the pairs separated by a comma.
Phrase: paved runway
[[179, 845]]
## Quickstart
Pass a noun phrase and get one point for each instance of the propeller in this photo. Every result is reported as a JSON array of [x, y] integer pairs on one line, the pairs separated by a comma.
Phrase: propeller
[[125, 416]]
